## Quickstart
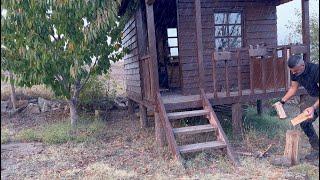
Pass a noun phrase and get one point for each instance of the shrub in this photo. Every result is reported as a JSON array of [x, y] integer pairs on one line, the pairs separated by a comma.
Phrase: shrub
[[93, 90]]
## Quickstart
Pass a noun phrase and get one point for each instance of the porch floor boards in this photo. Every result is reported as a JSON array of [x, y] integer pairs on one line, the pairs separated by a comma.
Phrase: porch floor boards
[[177, 97]]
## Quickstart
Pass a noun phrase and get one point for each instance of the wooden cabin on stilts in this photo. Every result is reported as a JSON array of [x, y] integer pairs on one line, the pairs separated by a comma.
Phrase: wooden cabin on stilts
[[193, 54]]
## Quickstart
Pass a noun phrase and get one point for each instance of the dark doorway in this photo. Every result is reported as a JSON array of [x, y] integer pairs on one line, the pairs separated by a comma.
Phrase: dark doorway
[[167, 45]]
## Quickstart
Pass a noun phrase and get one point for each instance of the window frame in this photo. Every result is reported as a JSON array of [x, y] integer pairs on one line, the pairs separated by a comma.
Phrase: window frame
[[227, 25], [173, 37]]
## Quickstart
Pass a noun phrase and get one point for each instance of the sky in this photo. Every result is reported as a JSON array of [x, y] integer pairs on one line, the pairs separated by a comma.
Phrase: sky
[[286, 13]]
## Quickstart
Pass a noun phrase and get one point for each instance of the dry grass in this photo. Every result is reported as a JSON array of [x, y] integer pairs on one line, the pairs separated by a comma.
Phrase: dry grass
[[121, 150], [23, 93], [124, 151]]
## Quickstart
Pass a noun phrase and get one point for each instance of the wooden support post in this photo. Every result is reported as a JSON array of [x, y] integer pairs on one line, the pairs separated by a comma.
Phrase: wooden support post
[[259, 107], [199, 43], [152, 51], [215, 93], [159, 130], [292, 146], [239, 74], [237, 120], [274, 70], [251, 75], [286, 71], [263, 74], [306, 28], [131, 109], [143, 116], [227, 79]]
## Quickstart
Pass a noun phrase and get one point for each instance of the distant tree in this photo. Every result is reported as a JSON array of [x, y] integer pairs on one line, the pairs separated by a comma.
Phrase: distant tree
[[61, 43], [296, 26]]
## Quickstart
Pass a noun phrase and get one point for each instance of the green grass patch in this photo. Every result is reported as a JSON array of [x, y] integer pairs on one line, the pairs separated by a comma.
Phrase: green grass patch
[[62, 132], [266, 124], [4, 135], [27, 135]]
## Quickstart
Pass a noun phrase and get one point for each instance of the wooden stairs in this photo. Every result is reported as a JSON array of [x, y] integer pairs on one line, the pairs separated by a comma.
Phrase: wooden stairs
[[207, 111]]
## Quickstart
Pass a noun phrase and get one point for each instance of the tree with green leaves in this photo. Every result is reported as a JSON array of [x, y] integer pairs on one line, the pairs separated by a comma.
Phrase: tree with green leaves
[[296, 26], [61, 43]]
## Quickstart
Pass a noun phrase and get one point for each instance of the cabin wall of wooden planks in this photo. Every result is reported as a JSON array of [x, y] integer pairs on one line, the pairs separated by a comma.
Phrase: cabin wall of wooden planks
[[259, 26], [131, 60]]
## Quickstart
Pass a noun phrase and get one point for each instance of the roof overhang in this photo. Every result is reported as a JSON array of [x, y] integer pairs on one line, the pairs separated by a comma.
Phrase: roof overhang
[[279, 2]]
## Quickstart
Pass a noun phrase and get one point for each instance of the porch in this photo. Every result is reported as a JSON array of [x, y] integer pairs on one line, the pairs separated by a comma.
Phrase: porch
[[265, 77]]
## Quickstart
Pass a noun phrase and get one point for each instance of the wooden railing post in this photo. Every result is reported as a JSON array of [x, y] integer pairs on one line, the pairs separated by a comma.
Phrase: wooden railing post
[[286, 72], [263, 72], [239, 73], [251, 75], [227, 78], [306, 27], [274, 68], [215, 94]]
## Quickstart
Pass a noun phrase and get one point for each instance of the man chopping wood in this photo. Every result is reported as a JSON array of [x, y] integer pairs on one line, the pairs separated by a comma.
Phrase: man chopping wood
[[307, 75]]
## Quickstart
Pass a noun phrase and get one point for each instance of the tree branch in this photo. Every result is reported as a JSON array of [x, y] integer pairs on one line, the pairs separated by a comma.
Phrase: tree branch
[[89, 74], [62, 81]]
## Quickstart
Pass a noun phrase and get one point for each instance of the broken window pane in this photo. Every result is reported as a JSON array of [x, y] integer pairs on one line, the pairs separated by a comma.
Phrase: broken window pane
[[235, 18], [220, 31], [235, 42], [221, 43], [235, 30], [228, 30], [220, 18]]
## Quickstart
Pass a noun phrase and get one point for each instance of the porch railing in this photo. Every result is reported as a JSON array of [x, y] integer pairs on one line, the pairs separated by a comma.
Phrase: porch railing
[[268, 70]]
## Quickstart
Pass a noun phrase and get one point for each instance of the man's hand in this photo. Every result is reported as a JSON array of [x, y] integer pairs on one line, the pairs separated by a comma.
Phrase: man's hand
[[309, 112]]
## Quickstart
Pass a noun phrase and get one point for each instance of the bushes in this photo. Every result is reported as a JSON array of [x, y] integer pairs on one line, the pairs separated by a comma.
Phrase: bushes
[[92, 91]]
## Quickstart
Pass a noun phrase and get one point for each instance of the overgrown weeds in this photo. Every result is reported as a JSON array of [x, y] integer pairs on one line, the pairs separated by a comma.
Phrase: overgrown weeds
[[62, 132], [4, 135]]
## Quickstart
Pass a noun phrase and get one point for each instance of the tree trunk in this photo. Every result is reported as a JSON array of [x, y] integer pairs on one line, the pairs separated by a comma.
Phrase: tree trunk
[[73, 111], [13, 92]]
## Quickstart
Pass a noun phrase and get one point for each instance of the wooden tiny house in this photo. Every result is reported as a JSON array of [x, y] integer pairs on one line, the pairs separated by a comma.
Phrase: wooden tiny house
[[198, 53]]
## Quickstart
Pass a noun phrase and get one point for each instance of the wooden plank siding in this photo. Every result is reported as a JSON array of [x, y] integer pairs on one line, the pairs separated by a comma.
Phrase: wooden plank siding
[[131, 60], [259, 26]]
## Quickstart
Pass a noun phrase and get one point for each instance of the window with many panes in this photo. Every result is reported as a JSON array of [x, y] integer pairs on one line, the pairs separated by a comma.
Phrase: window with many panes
[[227, 30], [173, 42]]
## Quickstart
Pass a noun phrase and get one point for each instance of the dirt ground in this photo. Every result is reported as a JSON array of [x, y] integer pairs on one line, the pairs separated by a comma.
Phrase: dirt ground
[[124, 151]]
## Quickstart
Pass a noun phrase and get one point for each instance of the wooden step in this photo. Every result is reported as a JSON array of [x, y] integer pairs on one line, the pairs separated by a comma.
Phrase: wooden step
[[193, 129], [184, 114], [201, 146]]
